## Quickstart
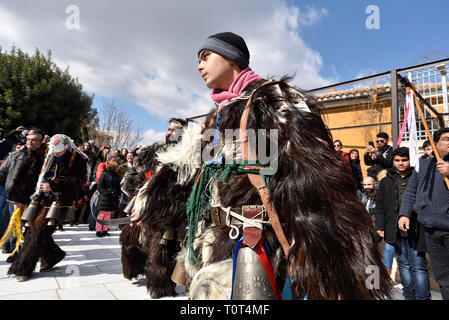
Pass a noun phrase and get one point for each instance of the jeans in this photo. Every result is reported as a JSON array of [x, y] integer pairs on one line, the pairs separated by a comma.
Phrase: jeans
[[413, 270], [437, 243], [10, 210], [387, 256], [92, 222]]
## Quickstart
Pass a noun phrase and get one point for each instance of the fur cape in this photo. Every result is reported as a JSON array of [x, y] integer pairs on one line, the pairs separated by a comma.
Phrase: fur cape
[[332, 246]]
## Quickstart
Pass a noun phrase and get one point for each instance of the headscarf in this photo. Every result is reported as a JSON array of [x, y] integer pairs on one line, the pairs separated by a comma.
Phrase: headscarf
[[58, 143]]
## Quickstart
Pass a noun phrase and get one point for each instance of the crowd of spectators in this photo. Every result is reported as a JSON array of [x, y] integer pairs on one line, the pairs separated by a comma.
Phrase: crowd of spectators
[[402, 204]]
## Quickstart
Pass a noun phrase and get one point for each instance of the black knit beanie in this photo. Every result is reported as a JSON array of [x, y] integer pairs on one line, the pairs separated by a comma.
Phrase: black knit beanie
[[230, 46]]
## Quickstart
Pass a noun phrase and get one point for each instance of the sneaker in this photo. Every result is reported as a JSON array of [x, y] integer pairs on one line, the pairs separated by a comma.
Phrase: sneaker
[[106, 234], [99, 234], [22, 278]]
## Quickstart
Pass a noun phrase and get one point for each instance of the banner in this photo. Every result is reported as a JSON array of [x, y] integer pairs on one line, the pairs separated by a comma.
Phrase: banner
[[413, 133]]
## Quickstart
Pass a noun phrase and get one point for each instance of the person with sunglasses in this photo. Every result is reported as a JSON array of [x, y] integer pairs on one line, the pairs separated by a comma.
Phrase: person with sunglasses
[[380, 157]]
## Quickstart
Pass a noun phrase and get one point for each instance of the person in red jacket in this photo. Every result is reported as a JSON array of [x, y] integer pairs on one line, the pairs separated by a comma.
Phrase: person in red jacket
[[338, 145]]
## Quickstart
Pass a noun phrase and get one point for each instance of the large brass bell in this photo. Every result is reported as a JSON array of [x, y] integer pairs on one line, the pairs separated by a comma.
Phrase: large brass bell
[[31, 211], [68, 214], [53, 213], [251, 281], [179, 273], [129, 207]]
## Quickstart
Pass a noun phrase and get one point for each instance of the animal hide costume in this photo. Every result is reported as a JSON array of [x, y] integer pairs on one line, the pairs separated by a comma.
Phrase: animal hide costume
[[66, 176], [330, 244], [148, 249]]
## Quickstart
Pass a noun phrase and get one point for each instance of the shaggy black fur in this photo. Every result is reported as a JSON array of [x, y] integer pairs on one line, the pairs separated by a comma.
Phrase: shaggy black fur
[[166, 207], [160, 265], [133, 256], [38, 243], [315, 198]]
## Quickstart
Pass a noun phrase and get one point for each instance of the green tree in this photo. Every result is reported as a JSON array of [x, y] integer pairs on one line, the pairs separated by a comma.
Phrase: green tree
[[35, 92]]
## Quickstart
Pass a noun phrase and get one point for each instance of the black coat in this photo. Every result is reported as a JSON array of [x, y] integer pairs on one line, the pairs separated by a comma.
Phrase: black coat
[[383, 160], [356, 173], [387, 210], [109, 189], [19, 173], [4, 148]]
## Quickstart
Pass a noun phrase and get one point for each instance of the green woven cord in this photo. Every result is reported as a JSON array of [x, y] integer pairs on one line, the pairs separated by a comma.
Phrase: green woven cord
[[198, 202]]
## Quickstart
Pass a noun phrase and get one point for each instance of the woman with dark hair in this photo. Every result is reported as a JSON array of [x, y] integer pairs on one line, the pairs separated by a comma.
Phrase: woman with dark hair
[[109, 189], [354, 162]]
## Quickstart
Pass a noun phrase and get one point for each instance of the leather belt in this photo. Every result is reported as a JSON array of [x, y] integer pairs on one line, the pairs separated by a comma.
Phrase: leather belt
[[218, 216]]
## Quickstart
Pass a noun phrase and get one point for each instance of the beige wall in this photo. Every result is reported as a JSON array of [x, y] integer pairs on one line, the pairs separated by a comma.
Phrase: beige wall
[[357, 114]]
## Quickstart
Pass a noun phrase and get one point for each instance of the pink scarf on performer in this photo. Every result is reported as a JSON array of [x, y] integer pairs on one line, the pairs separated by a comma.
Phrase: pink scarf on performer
[[246, 77]]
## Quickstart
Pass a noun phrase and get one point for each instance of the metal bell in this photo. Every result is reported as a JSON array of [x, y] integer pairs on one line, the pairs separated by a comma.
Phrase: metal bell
[[31, 211], [179, 273], [251, 281], [69, 213], [129, 207], [55, 211]]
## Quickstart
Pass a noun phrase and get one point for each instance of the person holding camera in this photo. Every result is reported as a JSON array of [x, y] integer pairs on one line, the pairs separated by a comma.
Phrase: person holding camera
[[17, 136], [380, 157]]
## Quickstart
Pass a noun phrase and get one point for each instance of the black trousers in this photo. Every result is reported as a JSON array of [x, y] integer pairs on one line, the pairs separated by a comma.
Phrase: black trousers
[[437, 242]]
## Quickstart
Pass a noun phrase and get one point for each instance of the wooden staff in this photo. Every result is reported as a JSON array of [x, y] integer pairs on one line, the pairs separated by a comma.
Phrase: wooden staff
[[421, 114]]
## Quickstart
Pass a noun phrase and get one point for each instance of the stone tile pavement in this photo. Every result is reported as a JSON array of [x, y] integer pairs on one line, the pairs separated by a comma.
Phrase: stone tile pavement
[[91, 270]]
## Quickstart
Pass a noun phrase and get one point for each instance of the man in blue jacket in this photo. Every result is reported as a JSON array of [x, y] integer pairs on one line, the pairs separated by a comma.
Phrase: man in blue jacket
[[427, 195]]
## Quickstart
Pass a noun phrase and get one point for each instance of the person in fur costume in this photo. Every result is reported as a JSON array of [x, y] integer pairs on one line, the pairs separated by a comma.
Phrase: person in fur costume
[[135, 239], [293, 211], [133, 255], [141, 242], [309, 212], [64, 172], [160, 209]]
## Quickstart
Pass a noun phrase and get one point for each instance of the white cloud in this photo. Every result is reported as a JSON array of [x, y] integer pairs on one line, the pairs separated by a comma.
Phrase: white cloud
[[151, 136], [145, 51]]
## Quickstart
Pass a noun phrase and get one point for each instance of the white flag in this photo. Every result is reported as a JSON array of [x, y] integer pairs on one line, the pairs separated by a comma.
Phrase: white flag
[[413, 134]]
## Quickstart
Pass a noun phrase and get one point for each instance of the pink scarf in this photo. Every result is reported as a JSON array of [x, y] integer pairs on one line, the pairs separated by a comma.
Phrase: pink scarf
[[246, 77]]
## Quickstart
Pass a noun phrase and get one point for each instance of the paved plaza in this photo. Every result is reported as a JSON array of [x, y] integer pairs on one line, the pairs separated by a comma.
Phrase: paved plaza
[[91, 270]]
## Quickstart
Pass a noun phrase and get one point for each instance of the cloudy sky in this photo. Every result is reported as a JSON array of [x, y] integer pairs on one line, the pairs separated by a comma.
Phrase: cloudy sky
[[142, 54]]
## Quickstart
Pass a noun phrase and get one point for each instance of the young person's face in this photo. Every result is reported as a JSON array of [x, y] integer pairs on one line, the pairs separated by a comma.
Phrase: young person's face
[[354, 155], [402, 164], [216, 71], [337, 146], [428, 151]]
